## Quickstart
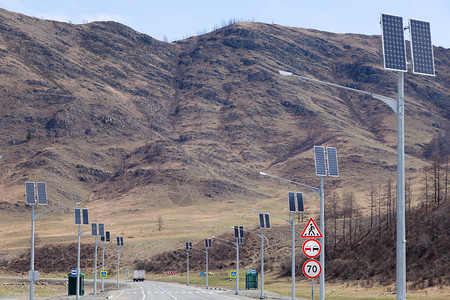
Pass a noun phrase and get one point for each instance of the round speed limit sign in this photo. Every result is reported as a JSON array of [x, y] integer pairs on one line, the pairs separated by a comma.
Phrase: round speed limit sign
[[312, 268]]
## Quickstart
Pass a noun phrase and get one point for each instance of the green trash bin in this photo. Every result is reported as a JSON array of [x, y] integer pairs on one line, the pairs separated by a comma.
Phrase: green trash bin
[[251, 281], [72, 286]]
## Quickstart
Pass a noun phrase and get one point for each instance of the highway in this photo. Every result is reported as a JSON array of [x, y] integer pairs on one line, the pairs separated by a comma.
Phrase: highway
[[169, 291]]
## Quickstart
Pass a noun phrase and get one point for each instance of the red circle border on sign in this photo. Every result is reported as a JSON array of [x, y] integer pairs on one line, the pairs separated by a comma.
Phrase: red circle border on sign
[[320, 267], [320, 248]]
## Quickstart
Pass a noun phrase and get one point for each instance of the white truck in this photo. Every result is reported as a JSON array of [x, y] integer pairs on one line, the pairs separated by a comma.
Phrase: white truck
[[138, 275]]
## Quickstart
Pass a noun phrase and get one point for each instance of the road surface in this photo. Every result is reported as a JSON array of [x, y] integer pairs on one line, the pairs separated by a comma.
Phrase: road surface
[[169, 291]]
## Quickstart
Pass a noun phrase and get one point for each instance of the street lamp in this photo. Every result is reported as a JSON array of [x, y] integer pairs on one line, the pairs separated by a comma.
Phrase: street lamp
[[97, 230], [106, 238], [119, 243], [207, 246], [264, 222], [236, 246], [31, 200], [188, 247], [78, 222]]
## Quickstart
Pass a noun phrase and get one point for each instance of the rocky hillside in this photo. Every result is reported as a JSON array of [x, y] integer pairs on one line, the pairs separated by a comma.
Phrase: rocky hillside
[[107, 115]]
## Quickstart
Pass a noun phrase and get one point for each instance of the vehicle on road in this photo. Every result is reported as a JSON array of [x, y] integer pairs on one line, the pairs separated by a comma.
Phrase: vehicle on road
[[138, 275]]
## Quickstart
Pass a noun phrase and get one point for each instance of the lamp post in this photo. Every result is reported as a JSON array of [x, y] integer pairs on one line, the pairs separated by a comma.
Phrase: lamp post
[[119, 243], [207, 242], [322, 257], [33, 218], [77, 213], [107, 239], [188, 247]]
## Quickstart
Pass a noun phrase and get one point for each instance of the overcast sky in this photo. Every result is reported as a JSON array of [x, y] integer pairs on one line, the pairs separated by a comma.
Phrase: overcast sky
[[177, 19]]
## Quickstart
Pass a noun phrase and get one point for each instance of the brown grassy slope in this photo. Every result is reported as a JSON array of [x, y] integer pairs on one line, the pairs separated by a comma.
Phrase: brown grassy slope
[[135, 127]]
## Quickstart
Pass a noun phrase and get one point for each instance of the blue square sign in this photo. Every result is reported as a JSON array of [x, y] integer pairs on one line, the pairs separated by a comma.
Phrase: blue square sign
[[103, 274]]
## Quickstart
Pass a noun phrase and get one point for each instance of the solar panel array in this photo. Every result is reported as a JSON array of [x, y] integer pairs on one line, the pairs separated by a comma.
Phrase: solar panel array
[[291, 199], [332, 162], [393, 37], [94, 228], [319, 160], [41, 193], [101, 229], [85, 216], [30, 194], [421, 47], [300, 207], [207, 243], [77, 213]]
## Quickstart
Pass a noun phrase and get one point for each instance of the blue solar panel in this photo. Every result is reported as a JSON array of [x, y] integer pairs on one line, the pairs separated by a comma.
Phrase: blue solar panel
[[94, 228], [393, 37], [77, 212], [319, 159], [421, 47], [30, 195], [101, 229], [41, 193], [85, 216], [291, 199], [332, 162]]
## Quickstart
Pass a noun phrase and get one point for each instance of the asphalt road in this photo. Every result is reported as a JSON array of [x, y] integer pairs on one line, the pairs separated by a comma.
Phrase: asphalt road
[[169, 291]]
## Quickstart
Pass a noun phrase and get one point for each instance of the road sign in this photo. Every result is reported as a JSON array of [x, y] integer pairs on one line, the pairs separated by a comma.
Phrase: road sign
[[312, 268], [202, 274], [233, 274], [253, 271], [103, 274], [312, 248], [311, 230], [172, 272], [73, 273], [34, 275]]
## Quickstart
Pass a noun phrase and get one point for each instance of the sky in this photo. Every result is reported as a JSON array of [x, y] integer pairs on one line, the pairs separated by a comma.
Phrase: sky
[[171, 20]]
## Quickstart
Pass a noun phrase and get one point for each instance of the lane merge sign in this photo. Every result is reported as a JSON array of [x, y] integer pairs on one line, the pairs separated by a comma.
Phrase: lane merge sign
[[312, 248], [312, 268], [311, 230]]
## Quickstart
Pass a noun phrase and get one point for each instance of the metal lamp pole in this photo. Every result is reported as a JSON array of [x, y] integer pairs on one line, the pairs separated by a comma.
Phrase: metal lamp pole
[[206, 252], [236, 246], [33, 218], [78, 260], [322, 229]]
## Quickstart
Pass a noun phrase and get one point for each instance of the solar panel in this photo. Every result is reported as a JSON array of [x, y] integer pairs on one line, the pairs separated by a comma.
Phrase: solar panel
[[300, 202], [77, 212], [241, 231], [236, 231], [85, 216], [41, 193], [94, 228], [207, 243], [102, 238], [190, 246], [319, 160], [267, 220], [332, 162], [30, 195], [261, 221], [393, 38], [121, 241], [240, 240], [101, 229], [118, 241], [291, 199], [108, 236], [421, 47], [187, 246]]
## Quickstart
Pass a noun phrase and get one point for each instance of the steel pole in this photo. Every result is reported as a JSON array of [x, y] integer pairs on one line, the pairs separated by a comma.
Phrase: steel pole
[[78, 265], [118, 265], [322, 240], [262, 264], [237, 266], [401, 235], [312, 289], [95, 267], [293, 255], [206, 268], [187, 266], [32, 254], [103, 263]]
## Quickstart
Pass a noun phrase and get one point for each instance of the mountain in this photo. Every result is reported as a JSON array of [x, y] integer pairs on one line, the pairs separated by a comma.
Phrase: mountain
[[136, 128]]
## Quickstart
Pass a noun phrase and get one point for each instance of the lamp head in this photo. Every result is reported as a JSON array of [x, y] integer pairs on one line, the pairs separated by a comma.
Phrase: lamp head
[[285, 73], [262, 173]]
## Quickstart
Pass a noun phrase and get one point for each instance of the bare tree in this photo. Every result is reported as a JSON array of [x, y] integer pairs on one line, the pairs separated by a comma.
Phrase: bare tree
[[372, 204], [160, 222]]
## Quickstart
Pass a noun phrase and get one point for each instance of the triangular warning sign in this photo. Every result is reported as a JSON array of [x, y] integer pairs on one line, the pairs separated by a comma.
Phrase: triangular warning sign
[[311, 230]]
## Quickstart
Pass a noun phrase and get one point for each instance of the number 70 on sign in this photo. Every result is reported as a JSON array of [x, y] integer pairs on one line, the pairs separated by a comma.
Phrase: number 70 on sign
[[312, 268]]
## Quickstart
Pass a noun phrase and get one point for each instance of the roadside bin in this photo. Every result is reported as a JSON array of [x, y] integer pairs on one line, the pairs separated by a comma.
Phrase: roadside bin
[[72, 286], [251, 281]]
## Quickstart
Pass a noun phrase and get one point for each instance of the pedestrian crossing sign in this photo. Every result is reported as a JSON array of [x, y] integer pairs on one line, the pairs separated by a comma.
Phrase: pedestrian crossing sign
[[103, 274], [311, 230], [233, 274]]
